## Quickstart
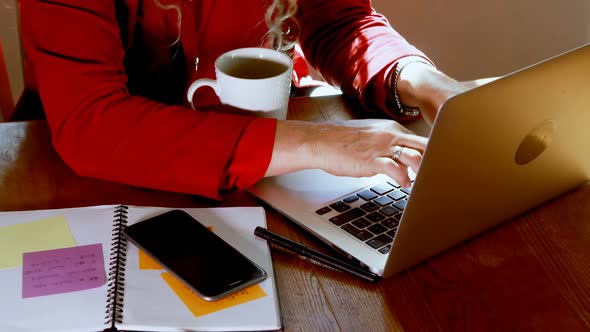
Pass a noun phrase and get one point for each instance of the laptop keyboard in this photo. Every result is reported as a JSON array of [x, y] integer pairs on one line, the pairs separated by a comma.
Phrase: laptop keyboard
[[371, 215]]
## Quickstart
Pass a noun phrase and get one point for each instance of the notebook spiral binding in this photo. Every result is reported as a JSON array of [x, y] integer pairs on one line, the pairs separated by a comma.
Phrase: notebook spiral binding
[[116, 275]]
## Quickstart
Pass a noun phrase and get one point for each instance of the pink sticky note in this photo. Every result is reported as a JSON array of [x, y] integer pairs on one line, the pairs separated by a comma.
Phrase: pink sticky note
[[63, 270]]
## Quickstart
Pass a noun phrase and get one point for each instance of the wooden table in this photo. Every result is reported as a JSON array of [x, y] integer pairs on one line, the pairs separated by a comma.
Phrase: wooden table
[[530, 274]]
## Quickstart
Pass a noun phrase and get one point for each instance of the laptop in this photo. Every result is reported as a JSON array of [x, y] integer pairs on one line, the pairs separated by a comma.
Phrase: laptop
[[494, 152]]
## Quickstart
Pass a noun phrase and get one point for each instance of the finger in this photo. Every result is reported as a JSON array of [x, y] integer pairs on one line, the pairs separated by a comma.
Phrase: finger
[[394, 170], [412, 141], [404, 130], [407, 156]]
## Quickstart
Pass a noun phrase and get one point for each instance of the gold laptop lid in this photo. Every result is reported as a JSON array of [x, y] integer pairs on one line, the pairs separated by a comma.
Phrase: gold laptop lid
[[497, 151]]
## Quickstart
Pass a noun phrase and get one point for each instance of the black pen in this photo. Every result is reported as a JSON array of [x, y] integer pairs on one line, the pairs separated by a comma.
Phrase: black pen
[[308, 252]]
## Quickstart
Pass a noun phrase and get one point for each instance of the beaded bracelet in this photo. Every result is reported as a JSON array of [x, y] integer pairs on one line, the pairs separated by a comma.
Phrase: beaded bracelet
[[400, 108]]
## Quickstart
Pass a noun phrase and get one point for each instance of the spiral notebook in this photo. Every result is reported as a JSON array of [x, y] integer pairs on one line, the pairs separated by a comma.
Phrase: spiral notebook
[[73, 270]]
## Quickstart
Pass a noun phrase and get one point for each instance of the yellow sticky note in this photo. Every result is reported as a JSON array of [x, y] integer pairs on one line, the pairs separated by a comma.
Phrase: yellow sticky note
[[200, 307], [147, 263], [44, 234]]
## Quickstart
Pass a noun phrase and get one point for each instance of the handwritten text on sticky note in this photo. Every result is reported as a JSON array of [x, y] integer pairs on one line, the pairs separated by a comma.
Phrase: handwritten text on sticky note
[[200, 307], [63, 270]]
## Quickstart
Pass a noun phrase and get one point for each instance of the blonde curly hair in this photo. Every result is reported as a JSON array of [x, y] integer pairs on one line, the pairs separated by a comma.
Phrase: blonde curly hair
[[283, 29]]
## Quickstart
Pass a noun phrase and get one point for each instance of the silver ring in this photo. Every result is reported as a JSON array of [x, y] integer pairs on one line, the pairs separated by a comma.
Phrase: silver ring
[[397, 151]]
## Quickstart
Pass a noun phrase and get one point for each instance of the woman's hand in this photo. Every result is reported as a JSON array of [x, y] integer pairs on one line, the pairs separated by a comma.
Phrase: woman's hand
[[349, 148], [424, 86]]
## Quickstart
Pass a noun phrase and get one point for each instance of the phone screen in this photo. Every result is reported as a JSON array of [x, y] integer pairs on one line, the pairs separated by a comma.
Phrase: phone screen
[[197, 256]]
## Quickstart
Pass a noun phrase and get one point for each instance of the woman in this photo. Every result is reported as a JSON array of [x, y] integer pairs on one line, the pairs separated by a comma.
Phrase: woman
[[111, 76]]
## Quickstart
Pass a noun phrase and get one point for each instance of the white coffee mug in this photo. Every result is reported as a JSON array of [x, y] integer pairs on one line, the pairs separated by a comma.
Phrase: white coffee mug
[[255, 80]]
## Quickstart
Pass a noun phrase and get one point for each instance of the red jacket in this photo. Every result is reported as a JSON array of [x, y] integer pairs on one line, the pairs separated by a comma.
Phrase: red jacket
[[112, 79]]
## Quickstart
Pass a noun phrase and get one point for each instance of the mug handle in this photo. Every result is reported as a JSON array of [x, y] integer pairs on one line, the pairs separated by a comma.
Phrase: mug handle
[[198, 84]]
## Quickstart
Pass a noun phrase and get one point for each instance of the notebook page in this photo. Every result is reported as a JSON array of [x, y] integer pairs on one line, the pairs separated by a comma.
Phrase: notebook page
[[82, 310], [150, 303]]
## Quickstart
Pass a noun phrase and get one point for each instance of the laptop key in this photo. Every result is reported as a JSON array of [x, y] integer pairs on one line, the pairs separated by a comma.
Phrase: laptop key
[[379, 241], [382, 189], [347, 216], [386, 249], [375, 217], [394, 184], [377, 229], [323, 210], [361, 223], [359, 234], [397, 195], [407, 190], [367, 195], [400, 204], [383, 200], [389, 211], [340, 206], [390, 223], [350, 199], [370, 206], [392, 232]]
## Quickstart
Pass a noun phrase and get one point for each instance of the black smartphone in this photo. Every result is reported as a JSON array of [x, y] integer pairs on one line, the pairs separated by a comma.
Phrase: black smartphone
[[195, 255]]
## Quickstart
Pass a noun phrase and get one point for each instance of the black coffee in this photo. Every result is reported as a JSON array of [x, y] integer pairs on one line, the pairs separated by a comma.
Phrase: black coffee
[[253, 68]]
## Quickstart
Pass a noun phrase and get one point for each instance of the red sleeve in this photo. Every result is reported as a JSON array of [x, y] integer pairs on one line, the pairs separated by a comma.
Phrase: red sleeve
[[352, 46], [250, 162], [102, 131]]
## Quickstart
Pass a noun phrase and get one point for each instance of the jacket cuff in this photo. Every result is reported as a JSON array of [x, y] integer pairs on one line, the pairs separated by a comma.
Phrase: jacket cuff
[[252, 155]]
